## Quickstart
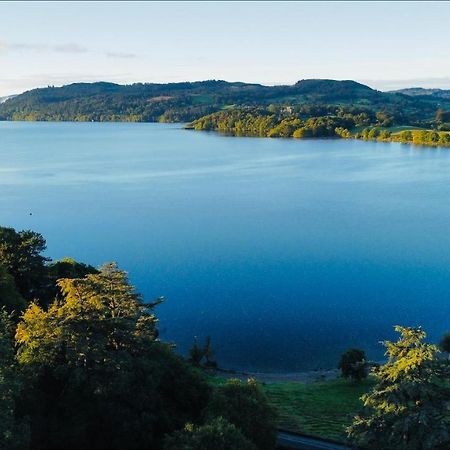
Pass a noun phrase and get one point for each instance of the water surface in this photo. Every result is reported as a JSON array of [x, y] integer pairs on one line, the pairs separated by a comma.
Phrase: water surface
[[286, 252]]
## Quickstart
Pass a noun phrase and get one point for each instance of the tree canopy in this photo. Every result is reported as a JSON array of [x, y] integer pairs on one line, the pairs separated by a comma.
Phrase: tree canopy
[[96, 375], [408, 408]]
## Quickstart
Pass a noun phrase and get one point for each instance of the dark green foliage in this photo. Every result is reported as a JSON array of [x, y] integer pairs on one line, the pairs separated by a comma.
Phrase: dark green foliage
[[196, 354], [205, 355], [353, 364], [64, 268], [209, 353], [245, 405], [259, 122], [384, 119], [69, 268], [442, 116], [444, 345], [218, 434], [14, 434], [96, 375], [9, 297], [183, 102], [21, 256], [408, 408]]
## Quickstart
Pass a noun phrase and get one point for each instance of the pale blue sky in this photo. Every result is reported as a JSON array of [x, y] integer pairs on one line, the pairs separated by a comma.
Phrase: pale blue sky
[[384, 44]]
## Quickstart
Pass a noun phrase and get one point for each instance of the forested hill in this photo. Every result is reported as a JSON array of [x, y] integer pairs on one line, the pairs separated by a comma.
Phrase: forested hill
[[439, 93], [184, 102]]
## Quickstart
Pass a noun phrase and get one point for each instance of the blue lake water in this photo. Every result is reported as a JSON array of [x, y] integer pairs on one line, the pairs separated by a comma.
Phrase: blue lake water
[[286, 252]]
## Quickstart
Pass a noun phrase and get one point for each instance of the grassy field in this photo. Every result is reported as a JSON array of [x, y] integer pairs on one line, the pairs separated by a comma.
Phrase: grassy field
[[320, 409], [394, 130]]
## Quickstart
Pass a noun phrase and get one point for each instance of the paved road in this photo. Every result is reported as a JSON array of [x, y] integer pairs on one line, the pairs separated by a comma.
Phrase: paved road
[[288, 440]]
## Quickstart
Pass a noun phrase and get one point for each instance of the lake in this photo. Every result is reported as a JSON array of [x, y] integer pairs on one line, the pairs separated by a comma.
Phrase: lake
[[286, 252]]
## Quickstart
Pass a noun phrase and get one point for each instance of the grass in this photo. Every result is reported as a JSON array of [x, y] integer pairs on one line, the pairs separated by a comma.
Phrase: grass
[[396, 129], [322, 409], [400, 128]]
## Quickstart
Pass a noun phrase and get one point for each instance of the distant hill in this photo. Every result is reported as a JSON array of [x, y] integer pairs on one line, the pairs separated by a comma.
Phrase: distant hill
[[3, 99], [418, 91], [184, 102]]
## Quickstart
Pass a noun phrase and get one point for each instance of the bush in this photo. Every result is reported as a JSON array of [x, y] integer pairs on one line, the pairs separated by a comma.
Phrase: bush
[[219, 434], [444, 345], [245, 405], [353, 364]]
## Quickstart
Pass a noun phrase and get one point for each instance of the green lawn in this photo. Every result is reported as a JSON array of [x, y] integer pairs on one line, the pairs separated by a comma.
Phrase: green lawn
[[320, 409], [394, 130], [401, 128]]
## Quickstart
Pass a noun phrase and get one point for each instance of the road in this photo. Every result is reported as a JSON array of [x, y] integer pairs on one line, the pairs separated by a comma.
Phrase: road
[[287, 440]]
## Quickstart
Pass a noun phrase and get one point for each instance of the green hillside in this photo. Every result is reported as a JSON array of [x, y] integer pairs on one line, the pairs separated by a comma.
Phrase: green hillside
[[185, 102]]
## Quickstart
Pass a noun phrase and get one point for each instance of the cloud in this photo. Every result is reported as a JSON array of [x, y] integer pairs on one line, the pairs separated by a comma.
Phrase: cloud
[[25, 46], [120, 55], [69, 48], [61, 48]]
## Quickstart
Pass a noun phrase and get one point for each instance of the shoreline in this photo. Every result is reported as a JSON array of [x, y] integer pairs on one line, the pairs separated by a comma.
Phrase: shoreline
[[307, 376]]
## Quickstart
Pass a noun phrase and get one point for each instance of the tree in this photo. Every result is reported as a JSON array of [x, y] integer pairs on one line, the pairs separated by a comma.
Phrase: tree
[[444, 345], [302, 132], [9, 297], [13, 433], [373, 133], [209, 353], [343, 132], [245, 405], [21, 255], [218, 434], [444, 138], [408, 408], [384, 119], [406, 136], [64, 268], [442, 116], [69, 268], [384, 135], [197, 354], [97, 376], [353, 364]]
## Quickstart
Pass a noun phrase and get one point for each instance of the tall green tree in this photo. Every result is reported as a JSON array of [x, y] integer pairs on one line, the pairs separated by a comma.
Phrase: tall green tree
[[13, 434], [9, 297], [21, 255], [409, 407], [97, 376]]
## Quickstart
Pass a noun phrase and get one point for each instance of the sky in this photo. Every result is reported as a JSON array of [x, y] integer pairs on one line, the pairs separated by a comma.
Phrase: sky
[[387, 45]]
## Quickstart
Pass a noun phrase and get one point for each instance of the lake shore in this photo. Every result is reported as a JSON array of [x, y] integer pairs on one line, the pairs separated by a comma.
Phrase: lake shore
[[308, 376]]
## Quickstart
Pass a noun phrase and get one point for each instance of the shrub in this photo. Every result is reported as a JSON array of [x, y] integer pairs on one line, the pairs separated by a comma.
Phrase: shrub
[[245, 405], [219, 434], [353, 364]]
